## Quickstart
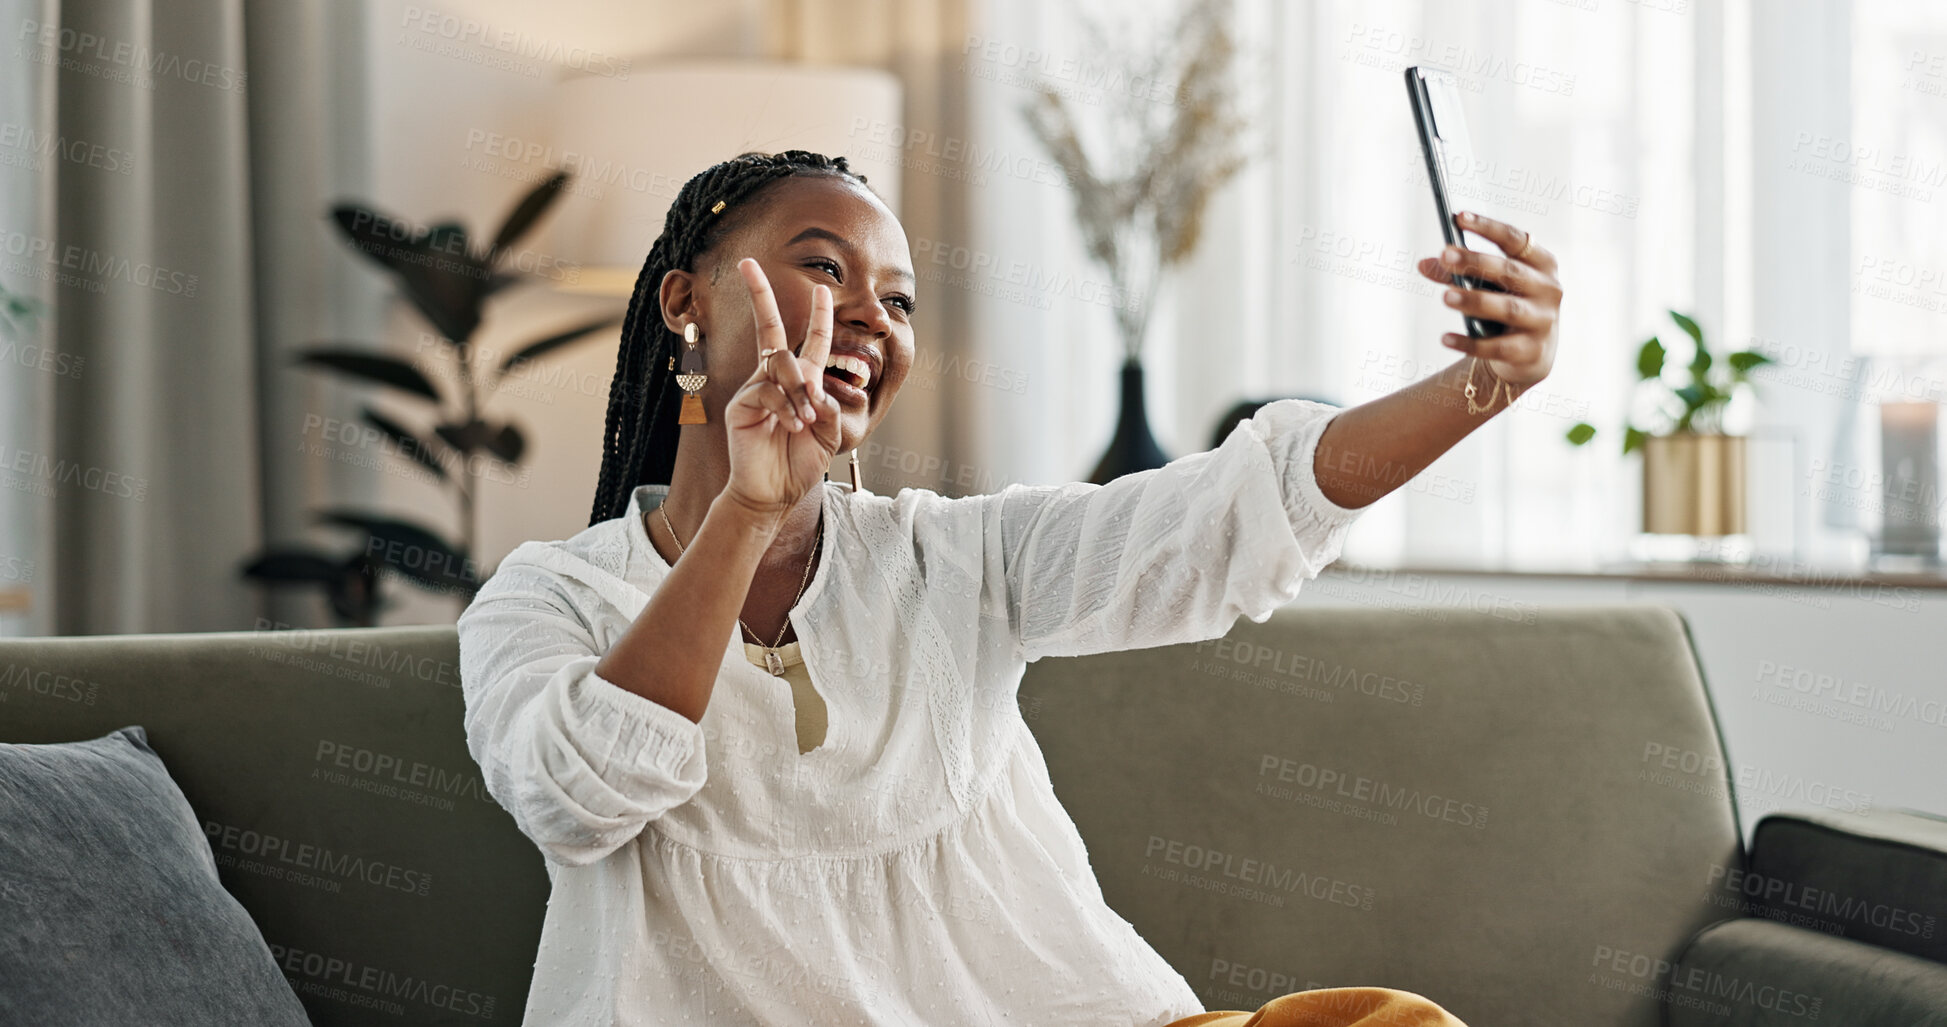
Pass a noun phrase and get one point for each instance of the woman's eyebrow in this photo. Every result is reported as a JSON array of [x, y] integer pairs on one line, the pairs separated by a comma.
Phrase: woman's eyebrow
[[845, 244]]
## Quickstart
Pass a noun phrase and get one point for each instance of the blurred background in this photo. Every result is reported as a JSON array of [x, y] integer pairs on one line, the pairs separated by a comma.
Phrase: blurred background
[[242, 240]]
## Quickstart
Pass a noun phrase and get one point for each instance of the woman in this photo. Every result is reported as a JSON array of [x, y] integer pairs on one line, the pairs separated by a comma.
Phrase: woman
[[763, 727]]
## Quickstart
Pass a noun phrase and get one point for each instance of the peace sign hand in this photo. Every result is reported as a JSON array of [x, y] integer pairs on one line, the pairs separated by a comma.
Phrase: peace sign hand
[[783, 428]]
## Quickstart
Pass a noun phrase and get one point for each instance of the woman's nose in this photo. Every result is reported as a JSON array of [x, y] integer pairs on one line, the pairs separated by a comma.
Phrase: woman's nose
[[863, 311]]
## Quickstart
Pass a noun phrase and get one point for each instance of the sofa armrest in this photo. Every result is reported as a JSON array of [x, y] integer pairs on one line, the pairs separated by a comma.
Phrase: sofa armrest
[[1878, 878], [1754, 973]]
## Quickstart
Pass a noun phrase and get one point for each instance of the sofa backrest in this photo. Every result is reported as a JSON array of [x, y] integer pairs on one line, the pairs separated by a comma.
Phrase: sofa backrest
[[331, 775], [1512, 817], [1517, 813]]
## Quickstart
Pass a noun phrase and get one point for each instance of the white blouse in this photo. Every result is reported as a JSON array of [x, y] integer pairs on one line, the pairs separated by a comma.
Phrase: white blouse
[[914, 867]]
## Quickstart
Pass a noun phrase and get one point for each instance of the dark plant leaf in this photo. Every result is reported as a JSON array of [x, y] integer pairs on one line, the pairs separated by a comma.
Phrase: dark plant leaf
[[411, 550], [1633, 440], [465, 437], [354, 592], [1581, 433], [540, 347], [448, 238], [1693, 396], [446, 288], [1649, 359], [507, 444], [379, 238], [1700, 365], [372, 367], [1744, 360], [415, 448], [292, 564], [1689, 328], [526, 213]]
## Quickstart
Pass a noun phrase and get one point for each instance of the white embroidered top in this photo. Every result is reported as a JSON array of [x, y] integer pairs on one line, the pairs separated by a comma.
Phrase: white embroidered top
[[914, 867]]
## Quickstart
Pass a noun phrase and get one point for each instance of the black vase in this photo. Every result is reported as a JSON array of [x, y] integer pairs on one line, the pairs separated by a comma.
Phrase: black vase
[[1133, 448]]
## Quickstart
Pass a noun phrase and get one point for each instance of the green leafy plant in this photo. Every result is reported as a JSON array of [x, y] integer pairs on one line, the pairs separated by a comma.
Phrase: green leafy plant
[[1694, 406], [448, 279]]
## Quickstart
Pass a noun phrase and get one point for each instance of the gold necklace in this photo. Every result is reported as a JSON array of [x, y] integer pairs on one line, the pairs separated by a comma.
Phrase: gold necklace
[[773, 653]]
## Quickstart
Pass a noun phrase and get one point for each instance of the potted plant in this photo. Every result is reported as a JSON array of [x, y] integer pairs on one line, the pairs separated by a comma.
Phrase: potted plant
[[448, 279], [1140, 207], [1693, 471]]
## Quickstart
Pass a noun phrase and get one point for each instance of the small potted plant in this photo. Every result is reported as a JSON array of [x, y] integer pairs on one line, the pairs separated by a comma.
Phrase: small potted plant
[[1693, 471]]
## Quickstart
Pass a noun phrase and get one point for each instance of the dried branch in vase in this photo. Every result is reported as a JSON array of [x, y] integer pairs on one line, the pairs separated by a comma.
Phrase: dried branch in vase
[[1140, 205]]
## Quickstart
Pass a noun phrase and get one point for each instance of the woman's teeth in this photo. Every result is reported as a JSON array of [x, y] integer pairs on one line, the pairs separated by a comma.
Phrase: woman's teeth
[[853, 370]]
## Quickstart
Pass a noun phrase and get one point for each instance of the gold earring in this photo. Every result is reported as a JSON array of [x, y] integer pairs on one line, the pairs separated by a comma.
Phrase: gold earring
[[691, 377], [856, 487]]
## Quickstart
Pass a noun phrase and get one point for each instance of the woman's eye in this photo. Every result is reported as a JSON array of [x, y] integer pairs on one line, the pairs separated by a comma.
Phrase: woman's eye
[[904, 303], [829, 265]]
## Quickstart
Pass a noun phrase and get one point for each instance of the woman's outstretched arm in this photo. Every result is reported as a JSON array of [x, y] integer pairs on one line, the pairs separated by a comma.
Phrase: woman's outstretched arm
[[1373, 448]]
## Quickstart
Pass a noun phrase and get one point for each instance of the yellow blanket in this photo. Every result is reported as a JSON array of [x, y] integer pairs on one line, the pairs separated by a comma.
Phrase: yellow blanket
[[1332, 1007]]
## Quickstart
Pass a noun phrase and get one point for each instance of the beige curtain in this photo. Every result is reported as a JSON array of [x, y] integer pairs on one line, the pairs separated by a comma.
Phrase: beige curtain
[[913, 39], [169, 222]]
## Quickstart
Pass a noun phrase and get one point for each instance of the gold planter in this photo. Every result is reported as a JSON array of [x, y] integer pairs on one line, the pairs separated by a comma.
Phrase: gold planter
[[1693, 485]]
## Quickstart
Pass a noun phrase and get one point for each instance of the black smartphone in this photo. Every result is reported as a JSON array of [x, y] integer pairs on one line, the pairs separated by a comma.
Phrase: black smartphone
[[1444, 143]]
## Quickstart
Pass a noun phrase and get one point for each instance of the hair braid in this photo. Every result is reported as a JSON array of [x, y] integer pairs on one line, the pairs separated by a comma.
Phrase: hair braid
[[639, 437]]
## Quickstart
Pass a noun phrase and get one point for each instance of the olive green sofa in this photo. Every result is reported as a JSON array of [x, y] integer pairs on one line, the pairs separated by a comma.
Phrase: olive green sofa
[[1522, 817]]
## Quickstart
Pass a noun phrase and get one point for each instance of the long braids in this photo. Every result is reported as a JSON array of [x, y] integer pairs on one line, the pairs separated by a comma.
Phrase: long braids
[[639, 439]]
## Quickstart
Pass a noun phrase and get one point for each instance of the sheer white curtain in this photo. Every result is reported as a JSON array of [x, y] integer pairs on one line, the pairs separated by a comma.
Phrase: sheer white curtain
[[1643, 142]]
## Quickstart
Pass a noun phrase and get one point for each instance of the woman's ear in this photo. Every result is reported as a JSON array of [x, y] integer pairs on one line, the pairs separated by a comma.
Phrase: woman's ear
[[678, 300]]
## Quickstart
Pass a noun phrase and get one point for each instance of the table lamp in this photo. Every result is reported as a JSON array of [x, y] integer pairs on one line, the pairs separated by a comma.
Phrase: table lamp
[[632, 143]]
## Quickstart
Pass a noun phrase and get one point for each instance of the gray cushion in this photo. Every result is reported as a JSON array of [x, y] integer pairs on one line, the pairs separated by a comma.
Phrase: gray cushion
[[110, 907], [1878, 877], [329, 773], [1758, 973]]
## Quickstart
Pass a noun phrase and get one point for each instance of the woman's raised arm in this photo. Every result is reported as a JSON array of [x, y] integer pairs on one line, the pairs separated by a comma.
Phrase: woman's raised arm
[[1375, 447]]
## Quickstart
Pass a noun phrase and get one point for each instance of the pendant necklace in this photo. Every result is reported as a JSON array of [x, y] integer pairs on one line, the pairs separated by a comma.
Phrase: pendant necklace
[[773, 653]]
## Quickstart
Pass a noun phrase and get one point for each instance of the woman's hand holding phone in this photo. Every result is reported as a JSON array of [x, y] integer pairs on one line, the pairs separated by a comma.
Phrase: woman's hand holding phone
[[1529, 303]]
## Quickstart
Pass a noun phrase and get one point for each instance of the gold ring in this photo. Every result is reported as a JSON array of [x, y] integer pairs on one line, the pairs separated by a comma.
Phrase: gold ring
[[1525, 247]]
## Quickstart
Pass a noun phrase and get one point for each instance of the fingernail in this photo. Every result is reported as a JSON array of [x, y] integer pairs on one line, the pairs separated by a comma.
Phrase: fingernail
[[1465, 216], [1453, 297], [1451, 255], [797, 425], [809, 413]]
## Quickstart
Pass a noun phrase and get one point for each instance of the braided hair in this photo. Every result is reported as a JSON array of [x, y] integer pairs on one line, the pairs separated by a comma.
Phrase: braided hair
[[639, 440]]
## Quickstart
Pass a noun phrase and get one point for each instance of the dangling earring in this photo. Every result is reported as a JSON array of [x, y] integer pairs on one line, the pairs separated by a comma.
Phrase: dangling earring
[[690, 377], [856, 487]]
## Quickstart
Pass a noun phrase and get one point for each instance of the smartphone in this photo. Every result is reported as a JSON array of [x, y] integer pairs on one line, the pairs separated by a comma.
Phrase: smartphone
[[1444, 143]]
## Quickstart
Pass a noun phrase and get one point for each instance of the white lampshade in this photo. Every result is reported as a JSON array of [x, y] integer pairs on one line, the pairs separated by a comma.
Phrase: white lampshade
[[632, 143]]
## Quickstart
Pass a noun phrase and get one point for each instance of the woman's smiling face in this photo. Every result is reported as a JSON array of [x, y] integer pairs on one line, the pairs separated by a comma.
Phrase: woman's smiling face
[[809, 230]]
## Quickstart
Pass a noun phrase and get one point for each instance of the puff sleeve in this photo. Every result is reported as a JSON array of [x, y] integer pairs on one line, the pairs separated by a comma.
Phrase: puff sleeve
[[1174, 554], [582, 764]]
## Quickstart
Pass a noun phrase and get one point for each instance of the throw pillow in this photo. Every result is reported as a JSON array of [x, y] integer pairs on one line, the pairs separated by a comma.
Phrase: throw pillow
[[110, 908]]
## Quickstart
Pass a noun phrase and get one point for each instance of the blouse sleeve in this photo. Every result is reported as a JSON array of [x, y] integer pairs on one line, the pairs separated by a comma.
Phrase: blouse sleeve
[[582, 763], [1173, 554]]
